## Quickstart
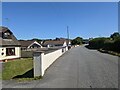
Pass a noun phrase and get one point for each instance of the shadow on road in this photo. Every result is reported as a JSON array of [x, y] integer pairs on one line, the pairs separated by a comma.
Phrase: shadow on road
[[92, 48], [28, 74]]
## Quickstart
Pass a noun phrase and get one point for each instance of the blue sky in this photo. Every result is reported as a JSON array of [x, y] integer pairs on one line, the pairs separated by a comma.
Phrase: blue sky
[[46, 20]]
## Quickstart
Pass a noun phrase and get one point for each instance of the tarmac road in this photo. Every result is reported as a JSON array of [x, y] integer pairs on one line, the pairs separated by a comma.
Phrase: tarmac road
[[77, 68]]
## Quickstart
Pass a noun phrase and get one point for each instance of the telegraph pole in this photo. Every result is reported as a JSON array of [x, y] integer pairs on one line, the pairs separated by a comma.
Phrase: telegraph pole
[[68, 35], [68, 32]]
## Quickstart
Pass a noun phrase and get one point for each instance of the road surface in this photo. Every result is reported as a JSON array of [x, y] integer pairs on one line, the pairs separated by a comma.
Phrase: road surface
[[77, 68]]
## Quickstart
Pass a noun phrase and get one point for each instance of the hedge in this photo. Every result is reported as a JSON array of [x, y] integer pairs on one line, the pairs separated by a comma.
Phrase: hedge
[[105, 44]]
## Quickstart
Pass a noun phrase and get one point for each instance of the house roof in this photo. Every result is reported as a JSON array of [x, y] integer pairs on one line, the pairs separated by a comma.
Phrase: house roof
[[34, 44], [26, 43], [8, 42], [68, 41], [54, 42]]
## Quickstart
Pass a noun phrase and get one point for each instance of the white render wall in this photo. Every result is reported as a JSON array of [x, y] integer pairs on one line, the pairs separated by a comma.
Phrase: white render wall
[[2, 51], [65, 43], [43, 61], [49, 58], [4, 57], [18, 51]]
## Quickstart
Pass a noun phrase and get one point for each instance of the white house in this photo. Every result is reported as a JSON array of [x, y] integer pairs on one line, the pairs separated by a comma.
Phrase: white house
[[9, 45], [55, 43], [29, 44]]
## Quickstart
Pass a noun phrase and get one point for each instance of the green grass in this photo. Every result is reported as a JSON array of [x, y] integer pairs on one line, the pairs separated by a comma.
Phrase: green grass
[[16, 67], [28, 79], [0, 76]]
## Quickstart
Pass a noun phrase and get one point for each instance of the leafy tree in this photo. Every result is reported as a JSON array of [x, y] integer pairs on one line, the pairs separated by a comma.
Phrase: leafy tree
[[77, 41], [57, 39], [115, 36]]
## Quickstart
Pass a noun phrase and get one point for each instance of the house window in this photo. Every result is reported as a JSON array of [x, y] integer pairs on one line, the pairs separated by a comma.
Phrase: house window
[[10, 51], [7, 35], [2, 53]]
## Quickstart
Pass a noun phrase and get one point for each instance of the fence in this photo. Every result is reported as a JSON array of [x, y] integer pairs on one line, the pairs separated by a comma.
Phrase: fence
[[42, 61], [26, 54]]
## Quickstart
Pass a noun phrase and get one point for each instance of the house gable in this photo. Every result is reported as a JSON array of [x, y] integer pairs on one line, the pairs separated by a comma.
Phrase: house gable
[[7, 38], [65, 43], [34, 44], [27, 44], [9, 45]]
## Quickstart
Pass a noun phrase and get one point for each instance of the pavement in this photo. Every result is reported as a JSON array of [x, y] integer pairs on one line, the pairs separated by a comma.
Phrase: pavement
[[77, 68]]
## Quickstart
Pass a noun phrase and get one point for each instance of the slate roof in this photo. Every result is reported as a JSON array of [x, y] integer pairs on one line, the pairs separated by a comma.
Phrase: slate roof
[[54, 42], [7, 42], [67, 40], [26, 43]]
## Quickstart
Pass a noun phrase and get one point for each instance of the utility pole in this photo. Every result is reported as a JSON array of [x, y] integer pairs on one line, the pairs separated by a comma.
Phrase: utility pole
[[68, 32], [68, 35]]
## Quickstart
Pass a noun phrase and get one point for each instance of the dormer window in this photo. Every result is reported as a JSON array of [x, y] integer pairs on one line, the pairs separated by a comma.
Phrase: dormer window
[[7, 35]]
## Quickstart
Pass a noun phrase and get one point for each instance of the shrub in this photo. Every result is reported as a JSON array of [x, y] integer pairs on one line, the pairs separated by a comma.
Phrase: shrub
[[97, 43], [117, 45], [108, 45]]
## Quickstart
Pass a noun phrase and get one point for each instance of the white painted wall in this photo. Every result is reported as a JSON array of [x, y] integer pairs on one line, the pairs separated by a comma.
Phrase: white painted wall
[[4, 57], [65, 43], [49, 58], [2, 50], [43, 61], [37, 63], [18, 51]]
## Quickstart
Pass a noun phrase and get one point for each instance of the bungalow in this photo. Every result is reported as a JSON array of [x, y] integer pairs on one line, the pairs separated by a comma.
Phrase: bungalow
[[55, 43], [9, 45], [29, 44], [68, 41]]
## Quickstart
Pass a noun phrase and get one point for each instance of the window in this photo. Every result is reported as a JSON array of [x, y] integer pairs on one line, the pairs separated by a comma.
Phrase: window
[[10, 51], [2, 53], [7, 35]]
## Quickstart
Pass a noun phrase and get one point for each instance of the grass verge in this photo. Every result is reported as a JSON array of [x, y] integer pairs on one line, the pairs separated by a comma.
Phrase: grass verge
[[28, 79], [0, 76], [16, 67]]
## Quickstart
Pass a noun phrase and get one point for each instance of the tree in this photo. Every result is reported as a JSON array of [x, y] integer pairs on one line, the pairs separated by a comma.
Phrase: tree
[[115, 36], [117, 45], [57, 39], [77, 41]]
